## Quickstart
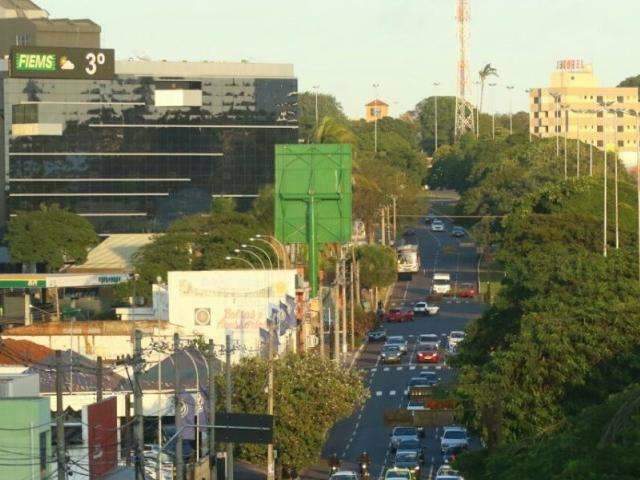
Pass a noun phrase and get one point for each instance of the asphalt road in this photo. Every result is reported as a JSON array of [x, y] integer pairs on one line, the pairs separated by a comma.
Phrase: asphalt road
[[366, 430]]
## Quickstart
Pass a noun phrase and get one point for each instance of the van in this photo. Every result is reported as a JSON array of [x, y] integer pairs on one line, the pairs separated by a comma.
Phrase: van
[[441, 283]]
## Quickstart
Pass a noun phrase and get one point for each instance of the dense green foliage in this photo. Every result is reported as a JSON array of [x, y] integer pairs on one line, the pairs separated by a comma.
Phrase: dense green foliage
[[50, 236], [633, 81], [311, 395], [560, 345], [377, 266]]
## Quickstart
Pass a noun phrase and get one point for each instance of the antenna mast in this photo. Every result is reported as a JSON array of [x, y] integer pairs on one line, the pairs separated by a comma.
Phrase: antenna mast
[[464, 108]]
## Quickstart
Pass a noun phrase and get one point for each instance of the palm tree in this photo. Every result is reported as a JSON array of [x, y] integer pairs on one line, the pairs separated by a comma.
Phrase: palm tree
[[485, 73], [332, 131]]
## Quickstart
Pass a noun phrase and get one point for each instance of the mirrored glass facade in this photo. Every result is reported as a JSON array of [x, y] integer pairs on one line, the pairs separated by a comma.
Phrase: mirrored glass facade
[[107, 150]]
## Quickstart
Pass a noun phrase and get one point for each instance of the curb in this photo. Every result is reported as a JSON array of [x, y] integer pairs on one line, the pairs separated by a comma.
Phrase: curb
[[357, 355]]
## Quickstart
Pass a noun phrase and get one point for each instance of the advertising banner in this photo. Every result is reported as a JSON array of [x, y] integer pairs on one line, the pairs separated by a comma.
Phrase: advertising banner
[[103, 437]]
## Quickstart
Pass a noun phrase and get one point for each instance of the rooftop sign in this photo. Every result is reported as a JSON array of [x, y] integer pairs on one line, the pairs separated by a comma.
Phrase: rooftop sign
[[570, 64], [62, 62]]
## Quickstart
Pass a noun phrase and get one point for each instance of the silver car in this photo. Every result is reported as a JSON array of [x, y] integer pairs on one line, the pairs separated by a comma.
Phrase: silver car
[[454, 437], [399, 434], [428, 340], [397, 341]]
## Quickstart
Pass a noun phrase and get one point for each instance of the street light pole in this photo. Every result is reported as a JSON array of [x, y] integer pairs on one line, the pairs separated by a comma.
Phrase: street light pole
[[493, 112], [510, 88], [315, 88], [556, 99], [615, 174], [528, 90], [228, 259], [375, 119], [604, 143], [261, 250], [239, 251], [477, 83], [285, 263], [435, 129], [565, 110], [255, 239]]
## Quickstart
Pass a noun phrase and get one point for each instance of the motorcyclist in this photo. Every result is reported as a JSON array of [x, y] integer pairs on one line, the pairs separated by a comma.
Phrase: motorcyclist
[[364, 462], [334, 463]]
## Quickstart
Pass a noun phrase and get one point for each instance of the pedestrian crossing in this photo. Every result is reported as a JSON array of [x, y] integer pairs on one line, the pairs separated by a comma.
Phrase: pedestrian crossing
[[401, 368]]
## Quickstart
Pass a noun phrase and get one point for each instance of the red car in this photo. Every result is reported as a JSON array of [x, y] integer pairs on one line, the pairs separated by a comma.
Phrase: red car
[[467, 290], [399, 316], [429, 355]]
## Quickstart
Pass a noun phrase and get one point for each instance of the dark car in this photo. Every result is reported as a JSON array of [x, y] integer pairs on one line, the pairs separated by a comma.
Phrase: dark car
[[408, 460], [391, 354], [458, 232], [378, 335]]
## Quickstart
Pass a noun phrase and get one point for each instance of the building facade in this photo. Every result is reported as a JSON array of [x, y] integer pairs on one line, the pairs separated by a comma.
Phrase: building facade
[[577, 106], [157, 141], [376, 110]]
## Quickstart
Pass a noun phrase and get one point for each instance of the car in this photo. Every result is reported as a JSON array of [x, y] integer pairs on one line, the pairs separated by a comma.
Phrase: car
[[437, 226], [409, 232], [428, 340], [453, 437], [344, 475], [408, 460], [432, 378], [398, 315], [429, 354], [445, 472], [391, 354], [451, 453], [467, 290], [399, 474], [378, 335], [410, 445], [423, 308], [458, 232], [417, 382], [399, 434], [397, 341], [454, 338]]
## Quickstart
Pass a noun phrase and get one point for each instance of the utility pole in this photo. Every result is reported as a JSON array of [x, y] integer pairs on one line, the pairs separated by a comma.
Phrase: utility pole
[[99, 379], [137, 405], [126, 431], [60, 445], [352, 297], [382, 227], [176, 402], [211, 360], [336, 319], [227, 372], [395, 221], [435, 127], [343, 299], [565, 128], [321, 318], [271, 470]]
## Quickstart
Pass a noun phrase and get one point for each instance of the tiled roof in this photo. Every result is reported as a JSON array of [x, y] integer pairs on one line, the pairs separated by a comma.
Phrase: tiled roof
[[376, 103], [22, 352]]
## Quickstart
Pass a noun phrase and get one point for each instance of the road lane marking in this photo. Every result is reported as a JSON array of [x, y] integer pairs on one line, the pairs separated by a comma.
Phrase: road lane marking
[[385, 369], [378, 393], [398, 369], [438, 367], [412, 367]]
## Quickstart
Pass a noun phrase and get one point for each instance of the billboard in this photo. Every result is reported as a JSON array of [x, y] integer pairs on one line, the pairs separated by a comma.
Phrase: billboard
[[211, 303], [62, 62], [102, 437]]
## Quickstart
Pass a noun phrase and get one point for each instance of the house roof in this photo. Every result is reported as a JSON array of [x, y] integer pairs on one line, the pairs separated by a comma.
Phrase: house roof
[[114, 254], [377, 103], [22, 352]]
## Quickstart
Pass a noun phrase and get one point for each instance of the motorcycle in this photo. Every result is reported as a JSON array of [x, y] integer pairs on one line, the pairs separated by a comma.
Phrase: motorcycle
[[364, 471], [334, 469]]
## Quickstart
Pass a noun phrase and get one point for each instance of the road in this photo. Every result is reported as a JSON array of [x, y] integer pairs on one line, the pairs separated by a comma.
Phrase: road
[[366, 429]]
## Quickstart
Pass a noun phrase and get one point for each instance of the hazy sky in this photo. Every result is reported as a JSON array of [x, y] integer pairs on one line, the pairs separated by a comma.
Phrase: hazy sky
[[404, 45]]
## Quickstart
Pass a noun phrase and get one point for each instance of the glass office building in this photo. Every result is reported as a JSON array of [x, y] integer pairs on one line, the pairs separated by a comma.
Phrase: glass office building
[[158, 141]]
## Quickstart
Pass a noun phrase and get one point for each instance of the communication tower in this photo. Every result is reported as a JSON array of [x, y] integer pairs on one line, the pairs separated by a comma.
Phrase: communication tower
[[464, 108]]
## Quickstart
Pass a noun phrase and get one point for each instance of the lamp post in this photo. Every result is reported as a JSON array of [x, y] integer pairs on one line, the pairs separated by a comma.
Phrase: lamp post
[[240, 250], [254, 239], [556, 103], [285, 263], [262, 250], [435, 128], [315, 89], [636, 113], [510, 88], [604, 109], [375, 119], [528, 91], [229, 259], [493, 112], [565, 110], [477, 83]]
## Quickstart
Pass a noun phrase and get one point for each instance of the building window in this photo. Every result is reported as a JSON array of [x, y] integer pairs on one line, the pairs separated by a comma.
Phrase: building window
[[599, 99], [23, 39], [621, 128], [620, 99], [25, 113], [600, 144], [621, 143], [536, 115], [619, 113], [600, 114], [600, 128], [536, 99]]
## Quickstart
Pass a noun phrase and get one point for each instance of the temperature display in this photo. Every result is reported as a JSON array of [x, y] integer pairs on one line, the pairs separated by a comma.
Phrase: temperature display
[[62, 62]]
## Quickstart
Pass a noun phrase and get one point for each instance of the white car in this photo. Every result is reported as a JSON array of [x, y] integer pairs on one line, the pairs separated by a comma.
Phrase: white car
[[425, 309], [441, 284], [445, 472], [428, 340], [454, 338], [344, 475], [437, 226], [454, 436], [397, 341]]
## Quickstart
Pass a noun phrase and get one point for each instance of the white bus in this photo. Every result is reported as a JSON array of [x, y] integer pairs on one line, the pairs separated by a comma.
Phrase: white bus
[[408, 259], [441, 283]]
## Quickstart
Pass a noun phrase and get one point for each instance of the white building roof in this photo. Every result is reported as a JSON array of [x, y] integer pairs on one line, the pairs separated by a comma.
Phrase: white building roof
[[115, 254], [204, 69]]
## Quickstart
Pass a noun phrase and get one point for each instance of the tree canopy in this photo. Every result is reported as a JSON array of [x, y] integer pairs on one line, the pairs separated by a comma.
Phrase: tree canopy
[[51, 236]]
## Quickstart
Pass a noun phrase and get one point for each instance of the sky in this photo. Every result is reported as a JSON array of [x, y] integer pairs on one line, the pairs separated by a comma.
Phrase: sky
[[346, 46]]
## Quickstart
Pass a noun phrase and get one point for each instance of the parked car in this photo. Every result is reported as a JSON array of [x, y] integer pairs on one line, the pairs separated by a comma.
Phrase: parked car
[[458, 232], [391, 354], [423, 308], [398, 315], [400, 434], [378, 335], [429, 354], [467, 290], [454, 338], [454, 436], [398, 341], [428, 339], [437, 226]]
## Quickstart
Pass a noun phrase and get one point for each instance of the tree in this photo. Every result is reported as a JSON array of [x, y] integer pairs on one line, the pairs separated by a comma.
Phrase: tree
[[331, 130], [486, 72], [51, 236], [311, 395], [328, 106], [425, 115], [378, 266], [633, 81]]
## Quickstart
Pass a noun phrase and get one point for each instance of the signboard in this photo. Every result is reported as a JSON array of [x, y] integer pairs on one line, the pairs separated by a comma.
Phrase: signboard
[[244, 428], [102, 437], [570, 64], [61, 280], [321, 170], [211, 303], [62, 62]]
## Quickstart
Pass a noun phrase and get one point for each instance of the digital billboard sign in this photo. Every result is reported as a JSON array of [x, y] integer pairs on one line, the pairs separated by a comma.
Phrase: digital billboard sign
[[62, 62]]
